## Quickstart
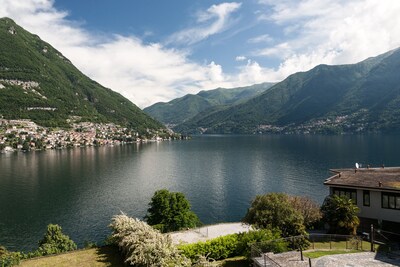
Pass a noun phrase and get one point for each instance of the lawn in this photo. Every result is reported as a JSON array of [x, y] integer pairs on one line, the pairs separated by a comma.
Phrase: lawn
[[94, 257], [320, 253], [101, 257], [341, 245]]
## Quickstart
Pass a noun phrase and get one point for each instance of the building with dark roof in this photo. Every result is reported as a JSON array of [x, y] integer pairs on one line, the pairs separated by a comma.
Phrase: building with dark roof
[[376, 191]]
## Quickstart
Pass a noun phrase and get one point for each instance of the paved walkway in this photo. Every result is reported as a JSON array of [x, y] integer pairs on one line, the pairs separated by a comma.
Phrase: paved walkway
[[362, 259], [208, 232]]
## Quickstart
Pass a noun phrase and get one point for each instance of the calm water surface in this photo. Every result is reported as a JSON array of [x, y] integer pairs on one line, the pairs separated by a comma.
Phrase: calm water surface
[[81, 189]]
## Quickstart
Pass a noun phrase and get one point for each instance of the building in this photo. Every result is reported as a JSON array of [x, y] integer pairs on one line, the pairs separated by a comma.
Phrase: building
[[376, 191]]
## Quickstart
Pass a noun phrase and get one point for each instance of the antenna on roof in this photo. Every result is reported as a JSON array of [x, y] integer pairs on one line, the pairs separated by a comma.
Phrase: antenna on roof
[[357, 165]]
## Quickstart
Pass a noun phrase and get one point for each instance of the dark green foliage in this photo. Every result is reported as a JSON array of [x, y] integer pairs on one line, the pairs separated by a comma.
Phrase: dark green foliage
[[25, 57], [170, 211], [232, 245], [184, 108], [366, 97], [341, 214], [54, 241], [10, 259], [274, 210], [261, 236]]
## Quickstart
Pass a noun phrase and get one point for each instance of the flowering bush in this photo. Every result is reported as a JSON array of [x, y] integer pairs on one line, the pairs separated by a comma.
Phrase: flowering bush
[[143, 245]]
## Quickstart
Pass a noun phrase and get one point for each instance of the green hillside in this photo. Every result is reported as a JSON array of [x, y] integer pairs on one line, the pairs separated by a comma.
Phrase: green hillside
[[182, 109], [37, 82], [363, 97]]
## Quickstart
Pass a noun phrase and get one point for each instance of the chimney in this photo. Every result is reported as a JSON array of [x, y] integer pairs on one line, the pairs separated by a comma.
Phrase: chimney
[[380, 184]]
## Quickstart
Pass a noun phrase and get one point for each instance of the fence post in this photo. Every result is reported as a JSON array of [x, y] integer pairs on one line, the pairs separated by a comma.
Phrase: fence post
[[309, 262], [301, 253], [330, 242], [265, 260], [372, 238]]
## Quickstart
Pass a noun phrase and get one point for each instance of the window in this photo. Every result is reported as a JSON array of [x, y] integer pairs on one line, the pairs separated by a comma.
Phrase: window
[[390, 201], [349, 193], [366, 198]]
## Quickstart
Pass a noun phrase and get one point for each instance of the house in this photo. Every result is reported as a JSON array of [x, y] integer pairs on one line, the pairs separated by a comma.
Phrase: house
[[376, 191]]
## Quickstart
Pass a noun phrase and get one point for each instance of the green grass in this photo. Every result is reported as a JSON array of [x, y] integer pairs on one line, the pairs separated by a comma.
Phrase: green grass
[[331, 248], [235, 262], [341, 245], [320, 253], [94, 257]]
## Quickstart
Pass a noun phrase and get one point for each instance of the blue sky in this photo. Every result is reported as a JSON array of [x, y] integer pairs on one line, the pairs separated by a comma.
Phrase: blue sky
[[152, 51]]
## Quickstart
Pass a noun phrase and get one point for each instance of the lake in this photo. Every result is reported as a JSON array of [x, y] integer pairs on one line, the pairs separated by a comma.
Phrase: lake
[[81, 189]]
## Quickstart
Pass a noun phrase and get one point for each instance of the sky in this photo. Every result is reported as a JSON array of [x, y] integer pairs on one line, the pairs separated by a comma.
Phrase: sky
[[152, 51]]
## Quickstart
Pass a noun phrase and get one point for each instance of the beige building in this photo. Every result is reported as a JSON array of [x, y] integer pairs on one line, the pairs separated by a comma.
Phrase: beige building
[[376, 191]]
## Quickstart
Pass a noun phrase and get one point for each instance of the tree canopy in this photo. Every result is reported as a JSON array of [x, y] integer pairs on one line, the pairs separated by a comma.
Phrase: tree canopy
[[341, 214], [308, 208], [170, 211], [274, 210]]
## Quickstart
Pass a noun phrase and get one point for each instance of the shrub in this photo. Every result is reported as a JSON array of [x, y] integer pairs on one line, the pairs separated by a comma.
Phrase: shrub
[[54, 241], [8, 259], [231, 245], [246, 239], [218, 248], [144, 245]]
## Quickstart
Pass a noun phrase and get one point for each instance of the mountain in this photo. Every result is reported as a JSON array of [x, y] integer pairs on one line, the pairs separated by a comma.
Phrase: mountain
[[37, 82], [362, 97], [182, 109]]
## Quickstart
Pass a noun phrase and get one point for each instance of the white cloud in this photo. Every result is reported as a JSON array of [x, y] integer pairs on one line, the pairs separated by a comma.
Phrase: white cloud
[[330, 32], [313, 32], [144, 73], [240, 58], [253, 73], [215, 20], [264, 38]]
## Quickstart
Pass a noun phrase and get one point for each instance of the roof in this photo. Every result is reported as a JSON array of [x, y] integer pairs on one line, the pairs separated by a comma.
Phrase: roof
[[373, 178]]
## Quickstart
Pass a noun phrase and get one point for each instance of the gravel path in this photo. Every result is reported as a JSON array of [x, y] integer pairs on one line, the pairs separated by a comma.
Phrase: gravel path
[[208, 232]]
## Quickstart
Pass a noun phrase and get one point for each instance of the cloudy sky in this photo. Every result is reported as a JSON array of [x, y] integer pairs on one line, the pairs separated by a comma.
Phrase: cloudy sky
[[153, 51]]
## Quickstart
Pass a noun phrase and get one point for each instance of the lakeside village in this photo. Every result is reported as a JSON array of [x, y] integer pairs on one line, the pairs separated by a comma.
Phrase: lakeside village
[[25, 135]]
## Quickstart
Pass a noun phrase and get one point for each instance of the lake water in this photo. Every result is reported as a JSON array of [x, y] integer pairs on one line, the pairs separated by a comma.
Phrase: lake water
[[81, 189]]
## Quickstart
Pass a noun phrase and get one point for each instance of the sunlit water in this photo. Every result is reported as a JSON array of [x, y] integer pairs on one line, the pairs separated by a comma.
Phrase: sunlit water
[[81, 189]]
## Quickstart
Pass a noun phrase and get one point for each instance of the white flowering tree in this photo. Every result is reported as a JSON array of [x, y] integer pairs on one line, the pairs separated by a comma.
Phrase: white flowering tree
[[142, 245]]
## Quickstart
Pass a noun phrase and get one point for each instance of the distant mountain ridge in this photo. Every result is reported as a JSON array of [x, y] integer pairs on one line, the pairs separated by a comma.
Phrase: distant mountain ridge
[[184, 108], [37, 82], [362, 97]]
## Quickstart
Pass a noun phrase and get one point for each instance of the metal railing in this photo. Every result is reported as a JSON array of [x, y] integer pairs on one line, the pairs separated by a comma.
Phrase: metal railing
[[271, 253]]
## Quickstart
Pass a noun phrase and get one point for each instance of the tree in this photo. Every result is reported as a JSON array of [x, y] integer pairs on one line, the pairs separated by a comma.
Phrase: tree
[[143, 245], [54, 241], [274, 210], [341, 214], [170, 211], [308, 208]]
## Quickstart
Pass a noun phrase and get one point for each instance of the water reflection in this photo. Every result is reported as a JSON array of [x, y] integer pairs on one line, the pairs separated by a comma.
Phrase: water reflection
[[81, 189]]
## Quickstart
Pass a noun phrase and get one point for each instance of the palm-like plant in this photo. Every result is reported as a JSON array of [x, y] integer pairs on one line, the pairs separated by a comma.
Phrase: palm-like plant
[[341, 214]]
